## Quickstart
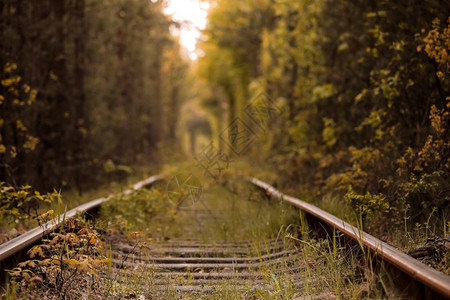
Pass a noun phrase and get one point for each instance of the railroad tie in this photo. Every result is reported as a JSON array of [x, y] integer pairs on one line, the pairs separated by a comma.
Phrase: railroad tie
[[203, 268]]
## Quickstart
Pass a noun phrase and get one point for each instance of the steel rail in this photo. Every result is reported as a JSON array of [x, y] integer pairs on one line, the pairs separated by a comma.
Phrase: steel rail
[[27, 239], [428, 276]]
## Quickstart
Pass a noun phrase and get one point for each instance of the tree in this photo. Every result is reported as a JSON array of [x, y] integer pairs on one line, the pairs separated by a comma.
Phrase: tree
[[98, 68]]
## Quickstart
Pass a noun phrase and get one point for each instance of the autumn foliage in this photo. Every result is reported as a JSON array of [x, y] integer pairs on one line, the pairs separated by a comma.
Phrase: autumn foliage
[[364, 87]]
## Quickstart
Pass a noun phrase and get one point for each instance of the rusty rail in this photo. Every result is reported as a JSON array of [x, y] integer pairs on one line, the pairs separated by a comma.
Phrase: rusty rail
[[429, 277], [428, 283]]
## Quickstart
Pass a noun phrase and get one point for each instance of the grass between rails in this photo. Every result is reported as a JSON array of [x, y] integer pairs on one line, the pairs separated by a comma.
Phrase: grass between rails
[[326, 267], [231, 212], [220, 213]]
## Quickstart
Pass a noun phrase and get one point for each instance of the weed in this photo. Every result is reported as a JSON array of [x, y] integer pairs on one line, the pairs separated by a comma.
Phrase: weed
[[22, 205], [69, 260]]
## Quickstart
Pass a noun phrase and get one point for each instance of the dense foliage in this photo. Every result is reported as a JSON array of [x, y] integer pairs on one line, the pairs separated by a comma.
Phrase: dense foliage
[[21, 204], [364, 88], [84, 87], [349, 100]]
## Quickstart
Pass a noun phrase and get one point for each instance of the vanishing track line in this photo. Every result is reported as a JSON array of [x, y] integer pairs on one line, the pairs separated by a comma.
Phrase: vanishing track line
[[197, 268]]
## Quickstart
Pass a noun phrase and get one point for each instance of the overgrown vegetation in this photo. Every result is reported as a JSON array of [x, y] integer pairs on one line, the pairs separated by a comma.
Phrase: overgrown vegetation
[[348, 103], [148, 211], [68, 262], [22, 206], [233, 211], [76, 257], [87, 90], [364, 93], [332, 268]]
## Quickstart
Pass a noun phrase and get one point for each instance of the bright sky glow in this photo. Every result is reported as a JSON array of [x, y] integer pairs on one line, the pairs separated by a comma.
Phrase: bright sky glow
[[192, 15]]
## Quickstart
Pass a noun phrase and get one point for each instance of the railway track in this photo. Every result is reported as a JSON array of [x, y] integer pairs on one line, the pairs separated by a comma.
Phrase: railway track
[[201, 269], [266, 268]]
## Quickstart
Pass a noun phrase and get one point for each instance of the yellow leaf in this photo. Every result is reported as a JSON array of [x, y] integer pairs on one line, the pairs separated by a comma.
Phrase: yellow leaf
[[38, 195], [72, 261], [93, 240], [22, 264], [46, 262], [36, 250], [13, 152], [26, 88], [31, 264]]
